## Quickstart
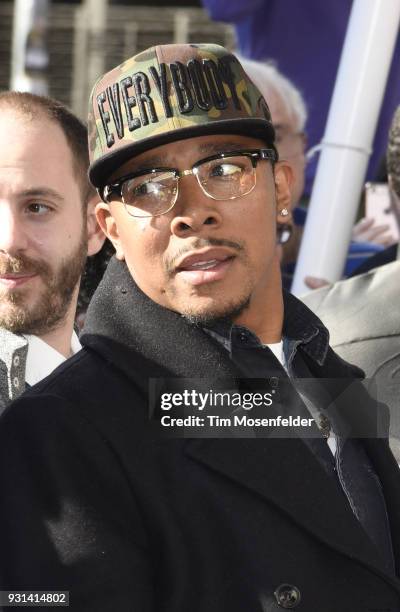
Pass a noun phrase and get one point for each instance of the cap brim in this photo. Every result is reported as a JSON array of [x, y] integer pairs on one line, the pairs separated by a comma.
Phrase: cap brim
[[103, 168]]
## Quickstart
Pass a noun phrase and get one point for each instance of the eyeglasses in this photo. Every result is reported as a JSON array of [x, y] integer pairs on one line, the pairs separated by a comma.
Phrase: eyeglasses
[[153, 192]]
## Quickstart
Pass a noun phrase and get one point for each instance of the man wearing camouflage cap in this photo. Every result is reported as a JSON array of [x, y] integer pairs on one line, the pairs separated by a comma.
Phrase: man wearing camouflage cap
[[97, 500]]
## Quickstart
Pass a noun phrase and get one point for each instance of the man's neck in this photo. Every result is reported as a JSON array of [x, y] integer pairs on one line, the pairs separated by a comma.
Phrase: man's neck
[[264, 316], [60, 337]]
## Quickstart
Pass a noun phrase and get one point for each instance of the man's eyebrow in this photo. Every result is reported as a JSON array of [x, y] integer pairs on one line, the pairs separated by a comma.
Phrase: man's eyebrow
[[155, 161], [41, 192], [221, 147]]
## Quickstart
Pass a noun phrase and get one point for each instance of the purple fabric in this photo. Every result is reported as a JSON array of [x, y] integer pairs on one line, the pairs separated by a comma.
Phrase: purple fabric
[[305, 38]]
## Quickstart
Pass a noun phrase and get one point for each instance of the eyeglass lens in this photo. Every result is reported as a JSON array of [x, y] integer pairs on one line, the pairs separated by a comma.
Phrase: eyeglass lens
[[227, 178], [221, 179], [151, 194]]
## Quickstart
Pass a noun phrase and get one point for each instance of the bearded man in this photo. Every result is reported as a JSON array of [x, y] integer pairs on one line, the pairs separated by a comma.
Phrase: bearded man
[[47, 229]]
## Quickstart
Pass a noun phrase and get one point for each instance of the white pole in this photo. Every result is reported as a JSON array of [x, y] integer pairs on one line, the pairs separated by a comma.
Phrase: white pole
[[346, 146], [80, 94], [97, 21], [29, 56], [181, 27]]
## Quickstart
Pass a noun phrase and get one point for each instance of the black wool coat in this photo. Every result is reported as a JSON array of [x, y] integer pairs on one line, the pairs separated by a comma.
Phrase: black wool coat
[[95, 502]]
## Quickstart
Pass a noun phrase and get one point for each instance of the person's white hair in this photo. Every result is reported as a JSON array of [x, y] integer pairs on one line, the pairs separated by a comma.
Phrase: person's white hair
[[266, 76]]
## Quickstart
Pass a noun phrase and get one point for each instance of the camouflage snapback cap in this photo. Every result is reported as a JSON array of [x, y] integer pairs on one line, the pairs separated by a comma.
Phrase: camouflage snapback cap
[[169, 93]]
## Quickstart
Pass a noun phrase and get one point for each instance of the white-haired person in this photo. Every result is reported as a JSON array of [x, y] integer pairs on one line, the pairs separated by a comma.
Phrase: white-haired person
[[289, 116]]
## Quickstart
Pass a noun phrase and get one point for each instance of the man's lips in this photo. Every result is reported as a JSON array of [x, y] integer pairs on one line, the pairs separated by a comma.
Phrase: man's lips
[[204, 257], [205, 266], [15, 280]]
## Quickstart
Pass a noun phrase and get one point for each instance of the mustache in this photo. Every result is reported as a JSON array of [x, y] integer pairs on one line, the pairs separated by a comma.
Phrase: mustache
[[22, 265], [200, 243]]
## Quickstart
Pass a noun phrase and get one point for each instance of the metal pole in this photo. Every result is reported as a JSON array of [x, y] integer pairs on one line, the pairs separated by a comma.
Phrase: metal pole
[[346, 146], [181, 27], [97, 20], [130, 39], [29, 56], [79, 95]]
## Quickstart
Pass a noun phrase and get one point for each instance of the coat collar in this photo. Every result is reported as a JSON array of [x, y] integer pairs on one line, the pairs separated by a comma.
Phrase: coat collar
[[122, 318], [121, 313]]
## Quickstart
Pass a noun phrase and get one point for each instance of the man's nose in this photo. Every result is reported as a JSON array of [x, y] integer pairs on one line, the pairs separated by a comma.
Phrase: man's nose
[[194, 212], [13, 238]]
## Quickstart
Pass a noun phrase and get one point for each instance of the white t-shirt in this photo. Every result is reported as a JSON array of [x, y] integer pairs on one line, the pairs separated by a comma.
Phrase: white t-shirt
[[277, 349]]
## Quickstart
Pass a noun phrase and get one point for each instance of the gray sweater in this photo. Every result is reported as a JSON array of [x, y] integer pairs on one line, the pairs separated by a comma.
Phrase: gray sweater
[[13, 353]]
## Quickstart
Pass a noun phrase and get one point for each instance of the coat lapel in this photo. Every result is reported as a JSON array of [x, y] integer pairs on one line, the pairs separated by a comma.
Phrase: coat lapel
[[388, 471], [300, 488]]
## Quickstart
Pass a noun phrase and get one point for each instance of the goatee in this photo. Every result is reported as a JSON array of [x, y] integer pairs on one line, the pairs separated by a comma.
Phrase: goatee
[[211, 318]]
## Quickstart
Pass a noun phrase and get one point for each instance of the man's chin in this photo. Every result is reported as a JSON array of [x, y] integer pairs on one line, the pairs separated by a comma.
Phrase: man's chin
[[13, 318], [24, 317], [207, 314]]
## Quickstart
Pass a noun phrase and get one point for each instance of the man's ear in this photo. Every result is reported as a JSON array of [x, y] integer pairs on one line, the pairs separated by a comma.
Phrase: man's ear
[[95, 234], [108, 225], [283, 175]]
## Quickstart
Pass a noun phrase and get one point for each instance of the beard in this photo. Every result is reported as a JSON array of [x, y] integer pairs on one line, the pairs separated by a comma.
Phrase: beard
[[18, 313], [211, 317]]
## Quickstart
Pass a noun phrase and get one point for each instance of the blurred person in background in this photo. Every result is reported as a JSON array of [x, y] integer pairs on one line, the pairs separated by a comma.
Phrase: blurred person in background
[[289, 117], [392, 252], [306, 40], [362, 313], [47, 229]]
